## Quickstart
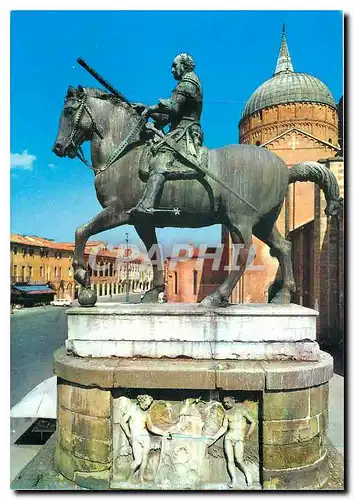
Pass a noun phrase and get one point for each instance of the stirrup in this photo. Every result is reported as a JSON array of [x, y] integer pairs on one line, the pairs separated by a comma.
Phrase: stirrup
[[140, 210]]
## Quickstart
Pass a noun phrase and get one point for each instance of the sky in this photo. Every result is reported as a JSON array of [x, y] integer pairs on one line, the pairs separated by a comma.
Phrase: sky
[[234, 52]]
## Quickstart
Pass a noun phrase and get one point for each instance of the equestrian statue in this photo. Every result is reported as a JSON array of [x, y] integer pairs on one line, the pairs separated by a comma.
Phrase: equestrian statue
[[150, 178]]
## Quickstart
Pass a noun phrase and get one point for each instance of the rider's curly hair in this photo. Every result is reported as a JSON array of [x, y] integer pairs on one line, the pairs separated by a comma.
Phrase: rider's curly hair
[[186, 60]]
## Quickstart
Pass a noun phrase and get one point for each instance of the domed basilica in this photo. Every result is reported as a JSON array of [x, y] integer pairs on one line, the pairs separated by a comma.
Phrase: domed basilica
[[295, 116]]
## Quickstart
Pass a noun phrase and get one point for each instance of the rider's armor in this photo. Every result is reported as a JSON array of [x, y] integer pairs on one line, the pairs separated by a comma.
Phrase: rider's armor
[[185, 126], [185, 132]]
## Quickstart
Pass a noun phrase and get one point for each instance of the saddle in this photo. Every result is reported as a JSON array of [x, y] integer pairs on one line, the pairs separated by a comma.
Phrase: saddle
[[179, 170]]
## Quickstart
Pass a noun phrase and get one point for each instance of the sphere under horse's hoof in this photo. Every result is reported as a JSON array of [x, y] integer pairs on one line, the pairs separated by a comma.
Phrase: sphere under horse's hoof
[[87, 297]]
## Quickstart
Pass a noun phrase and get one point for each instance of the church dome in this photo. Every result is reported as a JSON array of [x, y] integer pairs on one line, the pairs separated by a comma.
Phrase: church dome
[[288, 86]]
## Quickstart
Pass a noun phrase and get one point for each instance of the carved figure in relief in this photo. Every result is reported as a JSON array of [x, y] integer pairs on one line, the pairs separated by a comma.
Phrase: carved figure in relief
[[136, 423], [234, 427]]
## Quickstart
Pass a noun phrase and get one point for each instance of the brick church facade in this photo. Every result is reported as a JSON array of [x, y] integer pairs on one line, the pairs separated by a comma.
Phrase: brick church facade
[[295, 116]]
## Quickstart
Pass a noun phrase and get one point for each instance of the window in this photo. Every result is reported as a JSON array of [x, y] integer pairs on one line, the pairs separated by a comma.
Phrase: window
[[30, 272], [41, 252], [14, 249], [23, 273], [41, 274], [24, 251], [195, 282], [31, 252], [176, 283], [15, 273]]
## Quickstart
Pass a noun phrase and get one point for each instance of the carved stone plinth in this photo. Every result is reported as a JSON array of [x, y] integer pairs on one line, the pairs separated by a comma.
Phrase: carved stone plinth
[[245, 331], [147, 424]]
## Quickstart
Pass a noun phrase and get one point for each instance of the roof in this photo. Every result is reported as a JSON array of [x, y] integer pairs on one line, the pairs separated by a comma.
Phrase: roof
[[36, 241], [287, 86], [34, 289], [92, 247]]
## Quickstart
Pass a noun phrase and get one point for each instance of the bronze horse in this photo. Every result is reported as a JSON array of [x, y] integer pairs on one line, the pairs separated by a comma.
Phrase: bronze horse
[[259, 176]]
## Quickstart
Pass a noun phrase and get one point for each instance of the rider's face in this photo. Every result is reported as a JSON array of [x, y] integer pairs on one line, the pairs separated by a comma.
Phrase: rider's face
[[177, 70]]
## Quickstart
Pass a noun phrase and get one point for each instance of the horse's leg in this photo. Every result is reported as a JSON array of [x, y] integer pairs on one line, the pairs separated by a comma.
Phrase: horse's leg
[[219, 297], [281, 249], [148, 234], [112, 216]]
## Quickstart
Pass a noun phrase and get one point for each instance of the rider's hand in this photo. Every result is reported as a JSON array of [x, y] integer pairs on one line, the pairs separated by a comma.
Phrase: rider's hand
[[139, 107], [152, 109]]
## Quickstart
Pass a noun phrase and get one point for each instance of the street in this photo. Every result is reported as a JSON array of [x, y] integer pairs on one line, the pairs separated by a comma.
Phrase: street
[[35, 334]]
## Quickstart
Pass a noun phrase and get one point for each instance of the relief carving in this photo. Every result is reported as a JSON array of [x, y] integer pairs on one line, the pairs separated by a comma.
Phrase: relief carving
[[188, 444], [236, 429]]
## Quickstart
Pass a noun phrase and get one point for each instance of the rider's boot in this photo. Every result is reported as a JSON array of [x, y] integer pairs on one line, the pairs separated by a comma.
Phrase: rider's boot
[[153, 188]]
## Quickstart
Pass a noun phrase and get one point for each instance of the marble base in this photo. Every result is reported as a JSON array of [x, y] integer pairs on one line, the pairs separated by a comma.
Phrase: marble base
[[245, 331]]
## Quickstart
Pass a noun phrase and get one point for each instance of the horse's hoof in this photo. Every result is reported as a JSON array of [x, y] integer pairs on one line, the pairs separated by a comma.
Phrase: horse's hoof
[[214, 301], [81, 276], [282, 297], [87, 297], [151, 296]]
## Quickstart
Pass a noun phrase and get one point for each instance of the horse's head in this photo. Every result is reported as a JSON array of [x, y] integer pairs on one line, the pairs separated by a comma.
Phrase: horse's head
[[77, 123]]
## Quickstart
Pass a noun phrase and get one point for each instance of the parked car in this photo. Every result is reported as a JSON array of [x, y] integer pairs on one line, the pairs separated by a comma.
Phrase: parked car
[[61, 302]]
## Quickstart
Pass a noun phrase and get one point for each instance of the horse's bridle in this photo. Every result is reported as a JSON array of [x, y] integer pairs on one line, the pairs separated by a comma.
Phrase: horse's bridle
[[83, 106], [117, 152]]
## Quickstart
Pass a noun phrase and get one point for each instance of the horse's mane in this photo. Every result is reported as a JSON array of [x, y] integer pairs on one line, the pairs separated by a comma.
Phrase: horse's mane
[[104, 95]]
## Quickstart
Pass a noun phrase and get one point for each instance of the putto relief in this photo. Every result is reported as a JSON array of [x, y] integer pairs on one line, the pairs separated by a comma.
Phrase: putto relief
[[200, 441]]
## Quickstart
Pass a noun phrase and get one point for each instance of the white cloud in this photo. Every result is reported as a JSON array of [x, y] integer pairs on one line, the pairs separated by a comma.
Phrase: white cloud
[[22, 160], [51, 165]]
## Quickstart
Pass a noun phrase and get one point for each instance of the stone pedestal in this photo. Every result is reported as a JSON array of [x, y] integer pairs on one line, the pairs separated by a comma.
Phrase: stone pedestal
[[187, 387], [246, 331]]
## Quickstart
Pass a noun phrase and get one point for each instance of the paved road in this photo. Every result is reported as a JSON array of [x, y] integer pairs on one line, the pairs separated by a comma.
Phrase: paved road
[[35, 334]]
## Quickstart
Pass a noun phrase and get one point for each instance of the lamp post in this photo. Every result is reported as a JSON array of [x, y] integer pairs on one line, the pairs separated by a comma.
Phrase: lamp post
[[127, 269]]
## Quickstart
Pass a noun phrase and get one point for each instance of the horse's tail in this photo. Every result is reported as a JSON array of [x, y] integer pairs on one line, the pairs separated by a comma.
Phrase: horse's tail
[[322, 176]]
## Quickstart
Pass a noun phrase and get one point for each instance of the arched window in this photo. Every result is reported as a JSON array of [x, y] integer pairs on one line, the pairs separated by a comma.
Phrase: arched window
[[195, 282]]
